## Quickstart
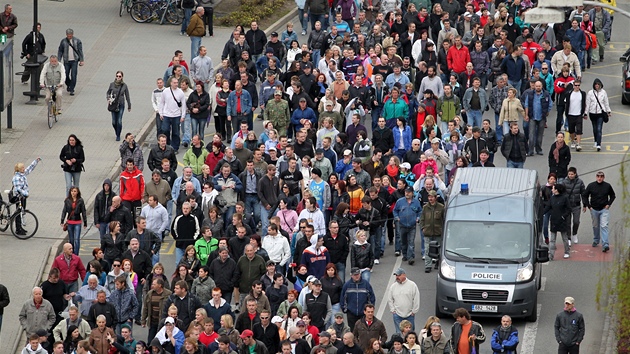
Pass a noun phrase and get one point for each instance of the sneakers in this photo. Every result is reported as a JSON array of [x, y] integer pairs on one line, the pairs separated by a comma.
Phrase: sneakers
[[599, 148], [569, 243], [566, 255], [427, 270], [573, 145], [594, 145], [376, 261], [578, 147], [404, 259], [304, 33], [595, 244], [397, 253], [605, 248], [574, 239], [411, 261]]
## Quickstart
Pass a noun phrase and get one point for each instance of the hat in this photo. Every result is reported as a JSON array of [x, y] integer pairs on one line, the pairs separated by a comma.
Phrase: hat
[[269, 49], [270, 262], [272, 148], [42, 333], [317, 171], [569, 300], [247, 333], [300, 323], [310, 278], [405, 165], [428, 91], [278, 92], [324, 334], [533, 80], [339, 314], [170, 320], [409, 189], [329, 103], [316, 282], [433, 193], [467, 14], [222, 331], [276, 319], [302, 99], [274, 34], [347, 153], [317, 152], [355, 270], [357, 160], [399, 271], [435, 141], [304, 65]]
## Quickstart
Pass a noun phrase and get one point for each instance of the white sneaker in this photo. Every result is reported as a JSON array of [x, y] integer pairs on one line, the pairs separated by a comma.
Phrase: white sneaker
[[566, 255], [569, 243], [574, 238], [572, 145], [376, 261], [594, 145], [578, 147], [599, 148]]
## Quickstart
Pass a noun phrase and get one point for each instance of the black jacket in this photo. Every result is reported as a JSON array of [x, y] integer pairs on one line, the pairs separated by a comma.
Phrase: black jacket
[[598, 195], [72, 152], [107, 309], [225, 274], [149, 241], [185, 230], [256, 40], [473, 147], [566, 99], [156, 155], [564, 158], [243, 177], [338, 247], [259, 348], [361, 256], [345, 224], [508, 142], [560, 209], [122, 215], [77, 213], [243, 321], [383, 139], [574, 189], [187, 307], [491, 139], [4, 298], [141, 262], [113, 249], [332, 287], [476, 329], [319, 307], [269, 336], [569, 328], [103, 202], [373, 216]]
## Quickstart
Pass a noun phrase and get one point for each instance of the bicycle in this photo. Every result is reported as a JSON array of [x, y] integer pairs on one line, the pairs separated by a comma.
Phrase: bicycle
[[28, 220], [147, 11], [125, 4], [52, 106]]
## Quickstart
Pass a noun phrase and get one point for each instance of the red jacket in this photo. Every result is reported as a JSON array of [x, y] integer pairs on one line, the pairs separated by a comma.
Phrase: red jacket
[[131, 185], [69, 273], [531, 50], [559, 89], [457, 58]]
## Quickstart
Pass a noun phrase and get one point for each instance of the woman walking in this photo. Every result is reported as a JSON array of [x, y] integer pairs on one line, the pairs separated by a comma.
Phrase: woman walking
[[74, 210], [198, 103], [116, 95], [72, 157], [598, 110], [20, 187]]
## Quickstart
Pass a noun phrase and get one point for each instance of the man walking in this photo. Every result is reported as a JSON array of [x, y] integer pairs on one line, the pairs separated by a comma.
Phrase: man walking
[[575, 103], [537, 106], [172, 110], [404, 299], [432, 223], [71, 50], [569, 328], [201, 69], [514, 147], [598, 197], [195, 30], [574, 188], [475, 102], [355, 295], [406, 214]]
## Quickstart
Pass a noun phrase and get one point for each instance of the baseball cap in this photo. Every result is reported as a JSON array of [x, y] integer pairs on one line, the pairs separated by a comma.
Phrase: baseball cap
[[300, 323], [270, 262], [329, 103], [302, 99], [274, 34], [272, 148], [569, 300], [409, 189], [170, 320], [467, 14], [317, 282], [347, 153], [319, 151], [405, 165], [355, 271], [433, 193], [276, 319], [269, 49], [338, 314], [435, 141], [306, 65], [310, 278], [399, 271], [247, 333], [222, 331], [42, 333]]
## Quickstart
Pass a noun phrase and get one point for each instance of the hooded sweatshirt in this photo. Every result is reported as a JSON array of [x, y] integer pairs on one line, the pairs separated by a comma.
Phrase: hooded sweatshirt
[[102, 202], [29, 350], [315, 258]]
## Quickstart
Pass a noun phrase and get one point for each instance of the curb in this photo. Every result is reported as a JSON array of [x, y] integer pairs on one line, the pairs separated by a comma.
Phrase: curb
[[57, 246]]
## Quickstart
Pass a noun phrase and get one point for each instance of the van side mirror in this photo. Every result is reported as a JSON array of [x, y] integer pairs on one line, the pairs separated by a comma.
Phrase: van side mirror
[[434, 250], [542, 254]]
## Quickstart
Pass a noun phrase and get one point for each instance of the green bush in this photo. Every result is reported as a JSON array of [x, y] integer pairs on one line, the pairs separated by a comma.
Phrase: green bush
[[251, 10]]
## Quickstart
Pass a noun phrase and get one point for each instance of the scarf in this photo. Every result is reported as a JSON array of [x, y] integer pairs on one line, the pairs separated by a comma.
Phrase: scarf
[[118, 83], [556, 151], [504, 332]]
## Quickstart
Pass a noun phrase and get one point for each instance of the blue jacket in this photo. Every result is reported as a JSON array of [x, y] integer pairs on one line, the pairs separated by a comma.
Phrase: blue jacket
[[125, 303], [342, 168], [299, 114], [354, 296], [246, 103], [483, 98], [506, 345], [406, 136], [514, 68], [545, 104], [578, 41], [407, 213]]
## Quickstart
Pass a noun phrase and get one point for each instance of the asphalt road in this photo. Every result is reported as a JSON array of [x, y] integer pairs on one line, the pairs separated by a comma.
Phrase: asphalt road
[[577, 277]]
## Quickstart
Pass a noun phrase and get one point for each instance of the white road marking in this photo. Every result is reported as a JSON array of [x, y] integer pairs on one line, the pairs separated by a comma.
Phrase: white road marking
[[392, 279], [543, 283], [529, 335]]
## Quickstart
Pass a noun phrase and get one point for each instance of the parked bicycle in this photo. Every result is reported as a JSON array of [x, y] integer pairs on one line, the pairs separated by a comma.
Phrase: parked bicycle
[[28, 220], [153, 10], [125, 5]]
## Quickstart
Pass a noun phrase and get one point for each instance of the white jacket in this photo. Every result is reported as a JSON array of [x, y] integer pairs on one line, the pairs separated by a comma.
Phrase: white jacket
[[277, 248], [591, 101]]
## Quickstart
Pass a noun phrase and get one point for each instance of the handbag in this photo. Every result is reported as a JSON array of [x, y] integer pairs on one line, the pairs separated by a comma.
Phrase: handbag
[[606, 117], [114, 106], [65, 224]]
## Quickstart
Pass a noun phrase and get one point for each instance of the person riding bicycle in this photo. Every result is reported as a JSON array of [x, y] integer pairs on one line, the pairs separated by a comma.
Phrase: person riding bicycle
[[20, 188], [53, 74]]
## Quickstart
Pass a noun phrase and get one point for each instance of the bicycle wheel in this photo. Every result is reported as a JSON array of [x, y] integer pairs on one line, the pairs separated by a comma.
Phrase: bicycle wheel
[[5, 216], [172, 16], [140, 12], [51, 114], [29, 226]]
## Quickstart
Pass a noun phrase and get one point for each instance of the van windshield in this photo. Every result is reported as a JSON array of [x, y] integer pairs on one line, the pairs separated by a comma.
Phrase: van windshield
[[487, 240]]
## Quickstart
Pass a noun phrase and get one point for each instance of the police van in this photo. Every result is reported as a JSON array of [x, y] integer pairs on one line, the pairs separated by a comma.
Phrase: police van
[[490, 257]]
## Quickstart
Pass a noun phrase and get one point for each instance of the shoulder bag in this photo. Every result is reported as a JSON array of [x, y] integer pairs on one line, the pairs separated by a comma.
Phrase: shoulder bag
[[604, 113], [113, 106], [179, 103]]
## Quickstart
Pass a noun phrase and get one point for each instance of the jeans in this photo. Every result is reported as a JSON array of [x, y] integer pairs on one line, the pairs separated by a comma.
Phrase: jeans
[[264, 218], [195, 43], [321, 18], [600, 225], [169, 210], [186, 137], [536, 130], [552, 243], [597, 120], [375, 240], [397, 241], [317, 56], [499, 130], [505, 129], [187, 14], [376, 112], [335, 308], [103, 229], [0, 323], [575, 219], [516, 85], [559, 117], [117, 120], [170, 128], [158, 125], [179, 253], [398, 319], [71, 74], [72, 180], [304, 21], [366, 274], [407, 238], [545, 226], [474, 118], [341, 271], [428, 261], [580, 56], [198, 126], [252, 205], [514, 164], [152, 332], [227, 216], [227, 296], [525, 130], [74, 237]]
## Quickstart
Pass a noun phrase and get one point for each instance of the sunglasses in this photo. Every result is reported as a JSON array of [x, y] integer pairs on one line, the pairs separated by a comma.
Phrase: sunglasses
[[545, 68], [599, 176], [118, 75], [115, 265], [264, 318]]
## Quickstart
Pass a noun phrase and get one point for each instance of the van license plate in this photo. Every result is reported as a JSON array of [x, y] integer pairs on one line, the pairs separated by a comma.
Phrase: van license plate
[[485, 308]]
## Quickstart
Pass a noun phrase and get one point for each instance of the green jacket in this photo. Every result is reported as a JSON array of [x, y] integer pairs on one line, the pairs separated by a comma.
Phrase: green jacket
[[250, 271], [194, 161], [432, 219], [393, 110], [449, 107], [204, 248]]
